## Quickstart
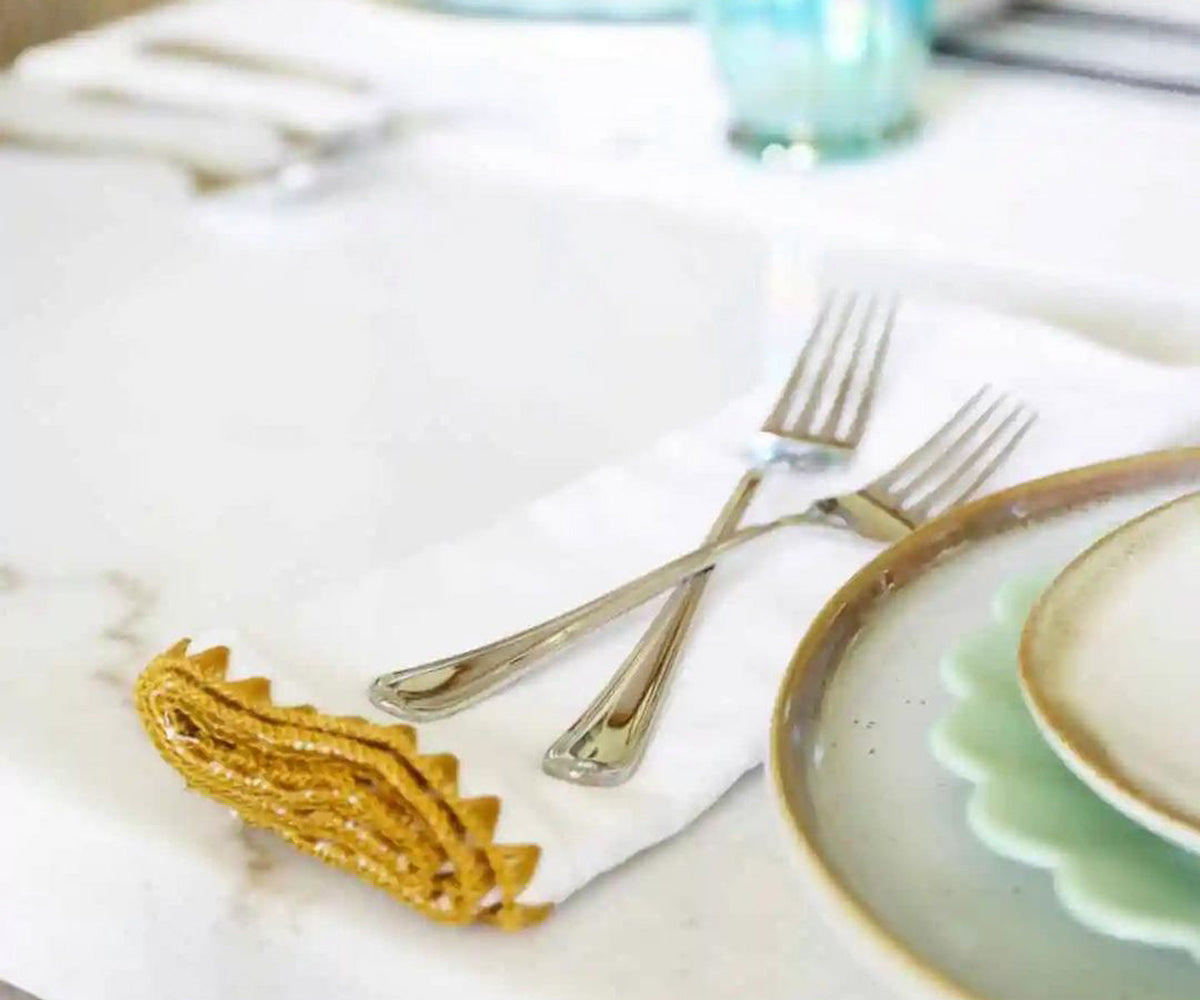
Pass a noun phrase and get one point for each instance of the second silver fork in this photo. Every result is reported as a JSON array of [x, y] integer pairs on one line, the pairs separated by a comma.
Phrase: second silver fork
[[605, 745], [939, 474]]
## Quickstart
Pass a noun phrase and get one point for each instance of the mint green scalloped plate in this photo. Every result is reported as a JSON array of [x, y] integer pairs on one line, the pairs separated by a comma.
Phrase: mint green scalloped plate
[[1110, 874]]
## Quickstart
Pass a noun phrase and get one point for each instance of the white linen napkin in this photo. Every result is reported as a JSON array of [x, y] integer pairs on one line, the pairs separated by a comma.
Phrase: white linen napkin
[[620, 521]]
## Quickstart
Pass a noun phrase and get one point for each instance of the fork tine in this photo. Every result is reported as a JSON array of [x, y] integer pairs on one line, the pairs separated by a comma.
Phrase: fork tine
[[953, 491], [215, 53], [927, 452], [834, 419], [950, 459], [774, 424], [854, 435], [803, 424]]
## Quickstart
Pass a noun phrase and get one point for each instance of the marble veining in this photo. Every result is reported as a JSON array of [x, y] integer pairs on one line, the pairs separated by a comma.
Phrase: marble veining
[[98, 625], [256, 865], [140, 601]]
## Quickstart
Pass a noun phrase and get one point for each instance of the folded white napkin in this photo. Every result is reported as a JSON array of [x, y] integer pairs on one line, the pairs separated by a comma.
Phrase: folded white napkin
[[620, 521]]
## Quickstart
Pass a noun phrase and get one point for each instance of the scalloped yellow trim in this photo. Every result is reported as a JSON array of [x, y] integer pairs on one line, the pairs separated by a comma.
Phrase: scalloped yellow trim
[[355, 794]]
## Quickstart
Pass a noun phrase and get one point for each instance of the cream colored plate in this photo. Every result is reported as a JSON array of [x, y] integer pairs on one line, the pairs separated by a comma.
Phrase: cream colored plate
[[879, 825], [1110, 668]]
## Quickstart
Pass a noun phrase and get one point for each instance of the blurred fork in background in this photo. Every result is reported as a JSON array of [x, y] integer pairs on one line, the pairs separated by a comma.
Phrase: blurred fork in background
[[217, 156], [318, 121]]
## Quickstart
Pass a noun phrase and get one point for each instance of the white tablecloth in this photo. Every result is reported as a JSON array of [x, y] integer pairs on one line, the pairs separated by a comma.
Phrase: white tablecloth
[[487, 316]]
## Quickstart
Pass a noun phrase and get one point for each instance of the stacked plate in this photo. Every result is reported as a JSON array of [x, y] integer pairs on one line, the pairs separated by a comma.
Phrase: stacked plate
[[1067, 864]]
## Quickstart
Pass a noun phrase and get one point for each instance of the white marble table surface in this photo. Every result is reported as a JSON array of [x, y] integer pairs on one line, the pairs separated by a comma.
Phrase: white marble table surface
[[202, 416]]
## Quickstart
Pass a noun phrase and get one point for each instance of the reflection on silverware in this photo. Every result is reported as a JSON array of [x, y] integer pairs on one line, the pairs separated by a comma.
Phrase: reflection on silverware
[[606, 743]]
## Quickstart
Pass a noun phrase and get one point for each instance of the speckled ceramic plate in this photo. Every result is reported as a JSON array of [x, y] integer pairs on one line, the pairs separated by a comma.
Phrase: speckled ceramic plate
[[1110, 668], [1112, 874], [879, 824]]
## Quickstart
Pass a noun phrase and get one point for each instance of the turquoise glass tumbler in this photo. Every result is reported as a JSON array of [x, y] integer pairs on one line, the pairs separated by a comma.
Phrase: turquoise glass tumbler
[[828, 78]]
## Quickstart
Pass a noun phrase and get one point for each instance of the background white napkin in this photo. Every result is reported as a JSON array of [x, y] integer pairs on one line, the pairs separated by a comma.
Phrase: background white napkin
[[621, 520], [544, 77], [548, 78], [997, 201], [603, 88]]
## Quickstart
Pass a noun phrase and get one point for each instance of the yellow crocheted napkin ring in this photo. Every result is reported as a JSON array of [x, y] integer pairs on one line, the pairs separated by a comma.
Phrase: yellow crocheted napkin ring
[[354, 794]]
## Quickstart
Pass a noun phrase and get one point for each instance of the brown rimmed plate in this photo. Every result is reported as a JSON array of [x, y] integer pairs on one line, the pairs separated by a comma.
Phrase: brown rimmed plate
[[1109, 667], [880, 827]]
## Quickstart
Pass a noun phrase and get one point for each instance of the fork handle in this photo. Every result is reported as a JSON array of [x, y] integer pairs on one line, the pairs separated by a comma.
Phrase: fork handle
[[443, 687], [93, 145], [605, 745]]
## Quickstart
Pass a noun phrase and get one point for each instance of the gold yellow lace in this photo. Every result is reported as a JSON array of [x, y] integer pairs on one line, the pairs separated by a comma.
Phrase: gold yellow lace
[[357, 795]]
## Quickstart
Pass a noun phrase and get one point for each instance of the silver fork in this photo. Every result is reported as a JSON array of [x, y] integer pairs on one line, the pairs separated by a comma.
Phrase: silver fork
[[216, 53], [289, 176], [342, 142], [943, 472], [205, 179], [606, 744], [832, 385], [311, 156], [301, 142]]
